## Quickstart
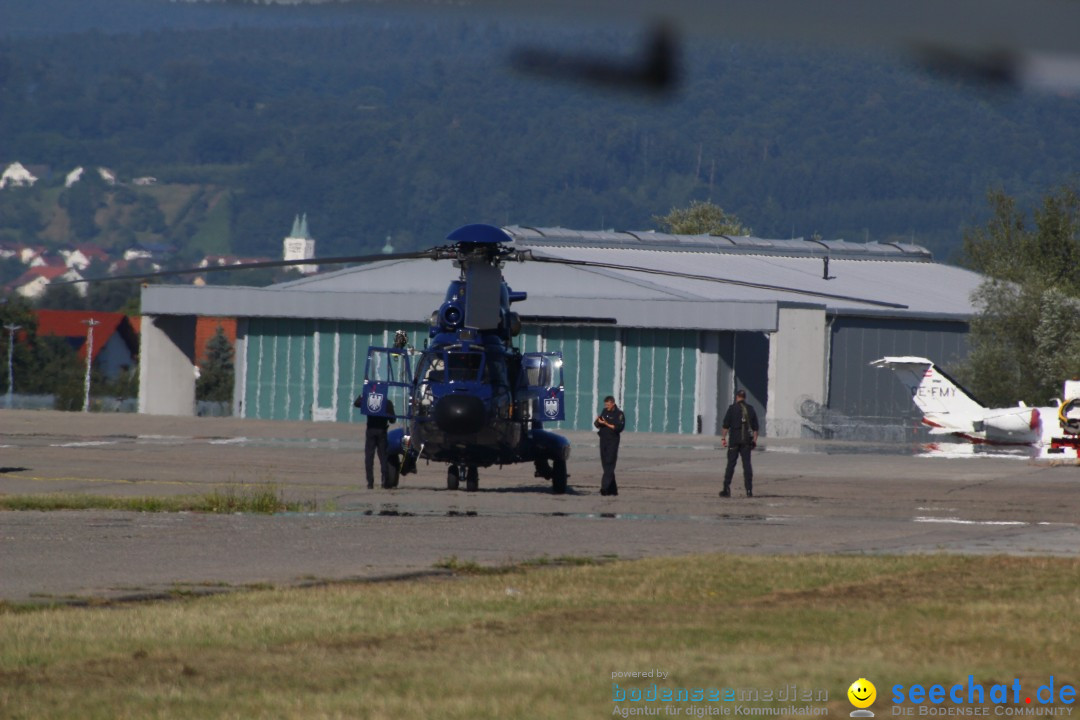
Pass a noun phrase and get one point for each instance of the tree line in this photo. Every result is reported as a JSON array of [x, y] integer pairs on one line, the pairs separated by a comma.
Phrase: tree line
[[1025, 337], [409, 129]]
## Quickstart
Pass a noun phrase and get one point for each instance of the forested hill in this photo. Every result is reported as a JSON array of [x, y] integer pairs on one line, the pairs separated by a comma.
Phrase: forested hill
[[410, 128]]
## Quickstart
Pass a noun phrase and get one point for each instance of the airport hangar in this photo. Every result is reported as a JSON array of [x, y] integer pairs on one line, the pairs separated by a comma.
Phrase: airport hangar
[[797, 330]]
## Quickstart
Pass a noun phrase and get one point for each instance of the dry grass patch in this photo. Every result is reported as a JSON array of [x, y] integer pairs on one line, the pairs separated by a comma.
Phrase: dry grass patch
[[542, 642]]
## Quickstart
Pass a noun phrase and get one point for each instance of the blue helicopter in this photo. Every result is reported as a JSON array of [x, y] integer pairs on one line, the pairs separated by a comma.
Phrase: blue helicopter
[[470, 398]]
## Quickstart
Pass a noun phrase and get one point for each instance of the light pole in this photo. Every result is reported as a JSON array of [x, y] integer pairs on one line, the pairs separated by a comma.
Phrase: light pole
[[11, 328], [91, 323]]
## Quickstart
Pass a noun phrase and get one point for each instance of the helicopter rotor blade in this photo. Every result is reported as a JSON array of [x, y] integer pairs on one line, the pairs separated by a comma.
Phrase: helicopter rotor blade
[[709, 278], [341, 260], [454, 252]]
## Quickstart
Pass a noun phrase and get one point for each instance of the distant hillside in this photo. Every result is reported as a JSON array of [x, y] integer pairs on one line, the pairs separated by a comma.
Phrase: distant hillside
[[191, 216], [376, 127]]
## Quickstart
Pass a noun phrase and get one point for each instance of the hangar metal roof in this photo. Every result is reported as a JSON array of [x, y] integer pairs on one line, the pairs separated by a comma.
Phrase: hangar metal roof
[[652, 240], [660, 280]]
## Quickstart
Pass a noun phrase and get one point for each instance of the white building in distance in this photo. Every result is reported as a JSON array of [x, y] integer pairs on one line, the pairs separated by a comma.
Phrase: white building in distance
[[16, 175], [76, 175], [300, 245], [35, 281]]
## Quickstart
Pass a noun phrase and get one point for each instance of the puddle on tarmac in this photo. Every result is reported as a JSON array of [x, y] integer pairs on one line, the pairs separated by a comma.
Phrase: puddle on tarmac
[[946, 450]]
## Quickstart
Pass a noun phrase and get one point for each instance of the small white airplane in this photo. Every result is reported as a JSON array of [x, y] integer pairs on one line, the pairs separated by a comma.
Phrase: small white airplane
[[949, 409]]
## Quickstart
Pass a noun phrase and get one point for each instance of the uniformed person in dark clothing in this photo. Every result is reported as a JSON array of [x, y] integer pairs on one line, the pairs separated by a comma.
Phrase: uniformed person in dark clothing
[[375, 442], [742, 424], [610, 423]]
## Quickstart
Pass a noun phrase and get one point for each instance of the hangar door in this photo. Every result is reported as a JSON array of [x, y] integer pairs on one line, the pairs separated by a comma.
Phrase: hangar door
[[659, 380], [306, 369], [863, 394], [651, 372], [588, 366]]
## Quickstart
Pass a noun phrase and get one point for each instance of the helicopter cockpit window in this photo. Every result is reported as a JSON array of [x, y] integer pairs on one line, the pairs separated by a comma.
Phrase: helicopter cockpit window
[[387, 386], [432, 368], [542, 370], [466, 366], [386, 365], [537, 376], [440, 367]]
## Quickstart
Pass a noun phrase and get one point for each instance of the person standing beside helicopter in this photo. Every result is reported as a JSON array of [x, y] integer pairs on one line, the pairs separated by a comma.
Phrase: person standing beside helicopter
[[375, 443], [610, 422]]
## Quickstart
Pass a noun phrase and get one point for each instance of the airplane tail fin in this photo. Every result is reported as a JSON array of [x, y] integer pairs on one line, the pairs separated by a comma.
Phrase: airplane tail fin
[[941, 399]]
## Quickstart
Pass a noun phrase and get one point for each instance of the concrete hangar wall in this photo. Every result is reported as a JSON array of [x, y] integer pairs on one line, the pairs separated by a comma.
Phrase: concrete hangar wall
[[670, 327]]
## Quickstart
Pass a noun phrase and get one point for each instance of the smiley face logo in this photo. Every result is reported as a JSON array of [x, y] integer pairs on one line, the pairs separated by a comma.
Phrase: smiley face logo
[[862, 693]]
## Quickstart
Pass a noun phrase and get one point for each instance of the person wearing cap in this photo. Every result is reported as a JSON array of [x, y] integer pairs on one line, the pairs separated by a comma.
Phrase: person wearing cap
[[742, 424]]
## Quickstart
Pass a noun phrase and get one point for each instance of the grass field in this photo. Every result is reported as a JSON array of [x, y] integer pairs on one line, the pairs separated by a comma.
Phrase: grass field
[[544, 642]]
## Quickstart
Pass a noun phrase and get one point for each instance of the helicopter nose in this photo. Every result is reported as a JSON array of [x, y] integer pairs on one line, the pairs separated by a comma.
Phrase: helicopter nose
[[460, 414]]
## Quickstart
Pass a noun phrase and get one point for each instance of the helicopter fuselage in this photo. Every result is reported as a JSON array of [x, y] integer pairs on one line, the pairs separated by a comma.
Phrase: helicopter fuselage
[[471, 398], [468, 408]]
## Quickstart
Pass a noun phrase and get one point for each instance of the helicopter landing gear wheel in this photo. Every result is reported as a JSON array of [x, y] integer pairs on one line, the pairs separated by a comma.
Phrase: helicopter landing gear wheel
[[453, 477], [558, 477], [472, 479], [408, 462], [393, 468], [543, 469]]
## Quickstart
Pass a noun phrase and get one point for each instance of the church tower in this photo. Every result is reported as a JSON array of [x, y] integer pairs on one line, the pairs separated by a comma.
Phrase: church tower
[[300, 245]]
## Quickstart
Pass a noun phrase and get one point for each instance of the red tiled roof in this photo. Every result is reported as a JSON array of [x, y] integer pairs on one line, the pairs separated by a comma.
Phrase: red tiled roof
[[92, 251], [70, 324], [49, 272], [53, 261]]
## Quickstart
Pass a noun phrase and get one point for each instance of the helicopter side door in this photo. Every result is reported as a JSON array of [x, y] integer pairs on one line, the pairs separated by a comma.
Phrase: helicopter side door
[[542, 377], [387, 383]]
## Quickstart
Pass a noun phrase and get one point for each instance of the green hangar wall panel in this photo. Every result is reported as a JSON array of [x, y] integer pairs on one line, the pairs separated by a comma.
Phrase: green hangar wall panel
[[301, 369], [659, 380], [588, 368], [651, 372], [305, 369]]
